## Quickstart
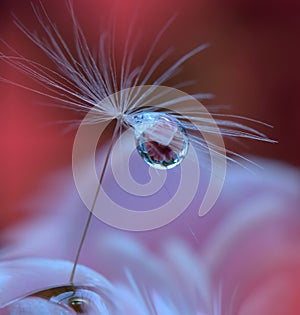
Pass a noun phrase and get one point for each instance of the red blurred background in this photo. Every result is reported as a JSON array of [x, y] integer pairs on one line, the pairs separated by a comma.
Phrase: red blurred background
[[252, 65]]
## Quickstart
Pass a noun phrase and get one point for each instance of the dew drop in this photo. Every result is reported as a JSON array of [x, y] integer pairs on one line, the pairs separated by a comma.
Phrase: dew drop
[[82, 300], [161, 139], [64, 300]]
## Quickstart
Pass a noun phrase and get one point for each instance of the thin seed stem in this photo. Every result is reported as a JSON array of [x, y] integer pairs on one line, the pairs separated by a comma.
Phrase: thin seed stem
[[87, 224]]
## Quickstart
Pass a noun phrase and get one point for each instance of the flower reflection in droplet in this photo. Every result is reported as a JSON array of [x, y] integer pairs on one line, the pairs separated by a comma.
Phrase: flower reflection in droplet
[[162, 140]]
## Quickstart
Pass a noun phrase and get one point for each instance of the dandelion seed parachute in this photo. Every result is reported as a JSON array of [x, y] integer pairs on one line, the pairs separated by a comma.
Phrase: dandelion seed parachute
[[81, 81]]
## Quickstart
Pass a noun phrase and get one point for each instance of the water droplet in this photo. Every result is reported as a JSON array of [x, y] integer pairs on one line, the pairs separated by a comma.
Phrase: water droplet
[[161, 139], [66, 300]]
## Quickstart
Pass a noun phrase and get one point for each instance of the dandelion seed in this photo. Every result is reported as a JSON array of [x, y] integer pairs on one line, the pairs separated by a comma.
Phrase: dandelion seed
[[163, 123]]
